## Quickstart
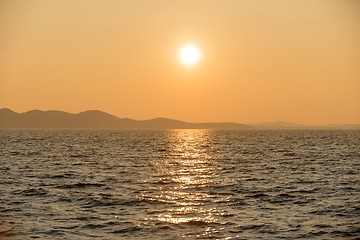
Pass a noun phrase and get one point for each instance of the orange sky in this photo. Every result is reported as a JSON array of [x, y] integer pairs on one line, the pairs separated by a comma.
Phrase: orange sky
[[287, 60]]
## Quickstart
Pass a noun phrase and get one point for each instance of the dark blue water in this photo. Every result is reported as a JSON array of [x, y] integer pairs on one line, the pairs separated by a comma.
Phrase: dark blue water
[[192, 184]]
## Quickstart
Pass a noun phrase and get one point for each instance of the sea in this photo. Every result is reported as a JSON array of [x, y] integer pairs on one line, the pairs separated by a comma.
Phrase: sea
[[179, 184]]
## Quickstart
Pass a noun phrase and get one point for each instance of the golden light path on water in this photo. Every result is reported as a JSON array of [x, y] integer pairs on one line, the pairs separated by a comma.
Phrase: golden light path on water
[[184, 179]]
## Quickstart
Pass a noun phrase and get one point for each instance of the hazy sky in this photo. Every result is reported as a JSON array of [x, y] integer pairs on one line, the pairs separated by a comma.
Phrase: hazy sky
[[261, 60]]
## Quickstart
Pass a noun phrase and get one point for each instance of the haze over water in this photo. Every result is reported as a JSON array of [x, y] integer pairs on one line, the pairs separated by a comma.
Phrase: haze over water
[[192, 184]]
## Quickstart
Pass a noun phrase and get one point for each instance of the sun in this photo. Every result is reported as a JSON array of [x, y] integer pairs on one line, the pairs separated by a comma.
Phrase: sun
[[189, 54]]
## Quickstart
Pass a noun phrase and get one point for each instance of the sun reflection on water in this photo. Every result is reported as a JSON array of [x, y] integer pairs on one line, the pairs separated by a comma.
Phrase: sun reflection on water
[[183, 179]]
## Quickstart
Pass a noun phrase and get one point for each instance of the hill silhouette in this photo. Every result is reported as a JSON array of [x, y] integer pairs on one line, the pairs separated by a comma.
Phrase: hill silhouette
[[95, 119]]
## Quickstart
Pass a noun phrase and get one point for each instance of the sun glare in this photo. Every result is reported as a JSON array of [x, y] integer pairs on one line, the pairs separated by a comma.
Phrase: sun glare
[[189, 54]]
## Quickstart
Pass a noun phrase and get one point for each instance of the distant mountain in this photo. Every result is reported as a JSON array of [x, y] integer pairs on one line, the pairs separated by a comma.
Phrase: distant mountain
[[294, 126], [280, 125], [97, 120], [341, 126]]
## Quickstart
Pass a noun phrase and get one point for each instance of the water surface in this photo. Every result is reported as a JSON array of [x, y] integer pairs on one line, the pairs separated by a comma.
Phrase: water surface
[[192, 184]]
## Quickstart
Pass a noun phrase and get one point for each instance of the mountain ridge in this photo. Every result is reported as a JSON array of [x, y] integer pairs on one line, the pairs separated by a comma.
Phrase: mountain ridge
[[96, 119]]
